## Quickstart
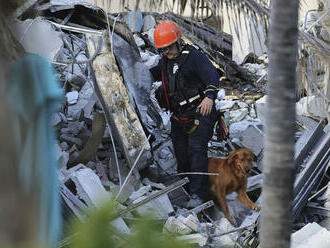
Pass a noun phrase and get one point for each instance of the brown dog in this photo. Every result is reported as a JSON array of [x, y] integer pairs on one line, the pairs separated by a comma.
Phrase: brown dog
[[232, 178]]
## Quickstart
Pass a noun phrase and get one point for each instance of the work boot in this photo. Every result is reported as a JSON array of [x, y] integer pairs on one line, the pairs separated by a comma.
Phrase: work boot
[[195, 201]]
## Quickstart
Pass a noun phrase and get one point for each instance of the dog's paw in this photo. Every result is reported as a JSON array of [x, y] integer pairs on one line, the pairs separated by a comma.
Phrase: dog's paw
[[255, 207], [232, 221]]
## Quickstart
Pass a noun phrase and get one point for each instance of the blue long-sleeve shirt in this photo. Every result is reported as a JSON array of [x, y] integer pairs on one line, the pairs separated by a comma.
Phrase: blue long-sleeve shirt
[[197, 69]]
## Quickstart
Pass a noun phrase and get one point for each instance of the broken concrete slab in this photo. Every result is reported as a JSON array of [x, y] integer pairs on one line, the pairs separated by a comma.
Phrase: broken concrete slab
[[195, 238], [118, 110], [89, 187], [238, 114], [56, 119], [312, 106], [254, 182], [306, 122], [190, 221], [164, 156], [140, 192], [63, 160], [252, 138], [72, 97], [246, 27], [311, 235], [149, 22], [146, 181], [160, 207], [134, 20], [174, 225], [71, 140], [260, 105], [38, 37]]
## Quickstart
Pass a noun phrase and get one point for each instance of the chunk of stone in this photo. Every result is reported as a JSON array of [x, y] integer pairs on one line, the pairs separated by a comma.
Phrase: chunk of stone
[[71, 140], [190, 221], [37, 36], [161, 207], [312, 106], [195, 238], [252, 138], [238, 114], [55, 119], [72, 97], [142, 191], [64, 146], [149, 22], [311, 235], [63, 159], [173, 225], [134, 20], [260, 105], [89, 187], [146, 181]]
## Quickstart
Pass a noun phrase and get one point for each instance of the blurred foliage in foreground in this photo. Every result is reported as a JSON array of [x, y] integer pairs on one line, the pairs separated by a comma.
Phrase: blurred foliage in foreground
[[96, 232]]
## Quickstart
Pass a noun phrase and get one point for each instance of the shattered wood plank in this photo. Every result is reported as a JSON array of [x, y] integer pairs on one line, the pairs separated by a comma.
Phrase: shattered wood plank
[[114, 98]]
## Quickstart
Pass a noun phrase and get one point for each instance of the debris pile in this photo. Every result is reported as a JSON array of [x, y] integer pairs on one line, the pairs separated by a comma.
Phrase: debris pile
[[113, 138]]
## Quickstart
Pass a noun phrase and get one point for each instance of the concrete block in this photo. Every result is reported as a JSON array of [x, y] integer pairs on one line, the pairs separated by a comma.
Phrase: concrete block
[[311, 235], [63, 117], [252, 138], [164, 156], [55, 119], [149, 22], [134, 20], [75, 79], [76, 127], [62, 161], [89, 187], [190, 221], [238, 114], [312, 106], [254, 182], [146, 181], [195, 238], [38, 37], [260, 105], [120, 225], [173, 225], [72, 97], [64, 146], [142, 191], [71, 140], [303, 139], [306, 122], [75, 111], [161, 207], [139, 41]]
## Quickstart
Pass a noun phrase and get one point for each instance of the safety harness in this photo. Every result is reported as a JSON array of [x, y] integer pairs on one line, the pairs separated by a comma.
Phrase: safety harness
[[181, 99]]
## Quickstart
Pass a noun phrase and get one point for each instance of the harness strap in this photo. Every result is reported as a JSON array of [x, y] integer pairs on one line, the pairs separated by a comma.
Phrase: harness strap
[[165, 91], [182, 119]]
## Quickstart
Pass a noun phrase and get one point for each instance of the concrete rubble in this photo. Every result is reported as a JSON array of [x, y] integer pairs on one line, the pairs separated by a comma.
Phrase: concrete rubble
[[109, 78]]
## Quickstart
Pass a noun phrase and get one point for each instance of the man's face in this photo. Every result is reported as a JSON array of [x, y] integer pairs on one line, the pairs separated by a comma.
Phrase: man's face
[[171, 51]]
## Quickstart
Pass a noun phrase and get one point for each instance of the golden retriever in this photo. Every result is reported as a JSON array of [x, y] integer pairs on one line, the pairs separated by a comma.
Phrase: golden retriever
[[232, 178]]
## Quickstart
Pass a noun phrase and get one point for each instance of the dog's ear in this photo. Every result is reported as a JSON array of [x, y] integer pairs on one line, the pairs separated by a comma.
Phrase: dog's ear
[[232, 157]]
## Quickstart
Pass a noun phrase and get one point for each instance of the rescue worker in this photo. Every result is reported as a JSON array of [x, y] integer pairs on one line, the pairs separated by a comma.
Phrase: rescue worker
[[189, 88]]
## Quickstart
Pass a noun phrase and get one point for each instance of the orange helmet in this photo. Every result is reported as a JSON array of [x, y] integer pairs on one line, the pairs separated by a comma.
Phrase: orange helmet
[[166, 33]]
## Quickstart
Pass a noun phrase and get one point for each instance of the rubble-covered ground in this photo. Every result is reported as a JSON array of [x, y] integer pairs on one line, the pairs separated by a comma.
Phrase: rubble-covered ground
[[113, 138]]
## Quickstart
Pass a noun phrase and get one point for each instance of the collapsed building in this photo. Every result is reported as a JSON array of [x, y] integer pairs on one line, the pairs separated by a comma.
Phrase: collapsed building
[[113, 138]]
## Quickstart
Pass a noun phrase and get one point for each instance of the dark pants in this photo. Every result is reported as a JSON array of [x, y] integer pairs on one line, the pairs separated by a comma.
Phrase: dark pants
[[191, 150]]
